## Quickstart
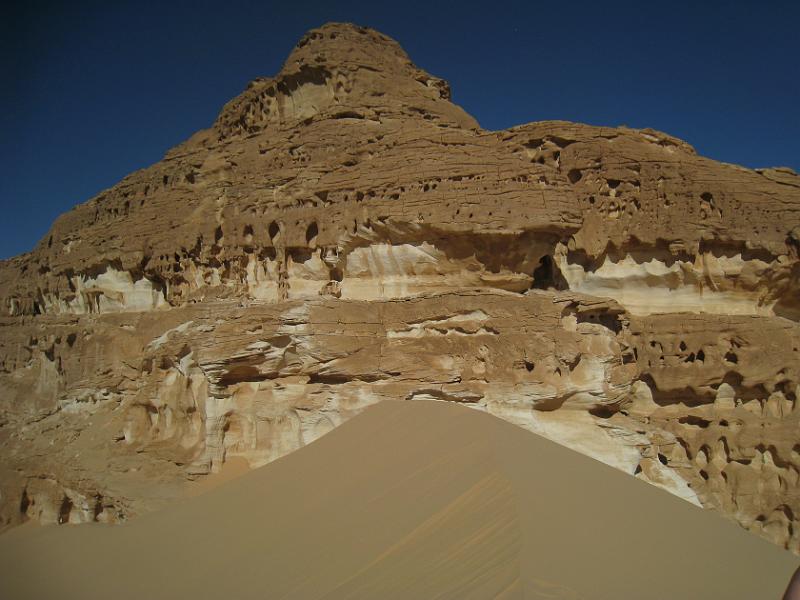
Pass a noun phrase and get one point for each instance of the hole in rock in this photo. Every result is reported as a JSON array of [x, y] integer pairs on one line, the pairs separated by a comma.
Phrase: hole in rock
[[274, 231], [544, 274], [300, 255], [574, 175], [606, 319], [603, 412], [64, 511], [24, 502], [312, 232], [268, 253]]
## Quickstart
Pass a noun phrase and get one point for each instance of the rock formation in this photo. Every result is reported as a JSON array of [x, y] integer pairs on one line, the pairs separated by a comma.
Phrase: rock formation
[[343, 234]]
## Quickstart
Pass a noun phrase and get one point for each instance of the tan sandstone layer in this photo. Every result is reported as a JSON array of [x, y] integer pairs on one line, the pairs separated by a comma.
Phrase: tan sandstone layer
[[345, 234], [408, 500]]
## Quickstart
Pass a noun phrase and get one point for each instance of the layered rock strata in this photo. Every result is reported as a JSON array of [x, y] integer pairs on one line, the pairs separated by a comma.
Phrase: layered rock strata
[[343, 234]]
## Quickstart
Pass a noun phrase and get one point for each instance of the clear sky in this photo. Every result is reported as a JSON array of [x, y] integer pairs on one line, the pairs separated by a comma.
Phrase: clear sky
[[94, 90]]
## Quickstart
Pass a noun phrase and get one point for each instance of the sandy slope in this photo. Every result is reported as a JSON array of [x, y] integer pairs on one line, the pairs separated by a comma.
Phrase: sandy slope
[[410, 500]]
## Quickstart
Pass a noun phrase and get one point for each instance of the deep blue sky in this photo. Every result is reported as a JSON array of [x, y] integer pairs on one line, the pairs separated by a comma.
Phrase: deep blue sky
[[94, 90]]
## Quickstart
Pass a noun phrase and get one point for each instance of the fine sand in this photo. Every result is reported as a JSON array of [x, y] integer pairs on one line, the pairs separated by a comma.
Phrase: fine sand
[[410, 500]]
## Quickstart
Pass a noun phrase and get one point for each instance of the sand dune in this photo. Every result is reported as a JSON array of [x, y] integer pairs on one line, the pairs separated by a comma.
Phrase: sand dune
[[410, 500]]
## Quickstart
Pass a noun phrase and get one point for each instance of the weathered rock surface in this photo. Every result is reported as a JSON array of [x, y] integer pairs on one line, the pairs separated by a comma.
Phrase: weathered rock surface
[[343, 234]]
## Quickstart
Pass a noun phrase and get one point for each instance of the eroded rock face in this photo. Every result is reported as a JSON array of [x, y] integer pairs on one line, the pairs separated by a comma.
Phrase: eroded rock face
[[344, 234]]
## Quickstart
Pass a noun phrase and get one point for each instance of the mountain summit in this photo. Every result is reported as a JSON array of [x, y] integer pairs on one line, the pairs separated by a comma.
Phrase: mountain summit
[[341, 71]]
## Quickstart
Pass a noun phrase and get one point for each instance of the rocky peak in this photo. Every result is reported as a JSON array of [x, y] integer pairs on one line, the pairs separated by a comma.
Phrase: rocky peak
[[340, 44], [340, 71]]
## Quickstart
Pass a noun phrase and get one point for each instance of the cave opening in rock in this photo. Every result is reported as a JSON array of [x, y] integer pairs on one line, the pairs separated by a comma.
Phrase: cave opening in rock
[[274, 231], [24, 503], [312, 232], [64, 511], [546, 275]]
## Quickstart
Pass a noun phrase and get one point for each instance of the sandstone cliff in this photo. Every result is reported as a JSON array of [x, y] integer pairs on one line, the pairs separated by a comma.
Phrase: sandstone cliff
[[344, 234]]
